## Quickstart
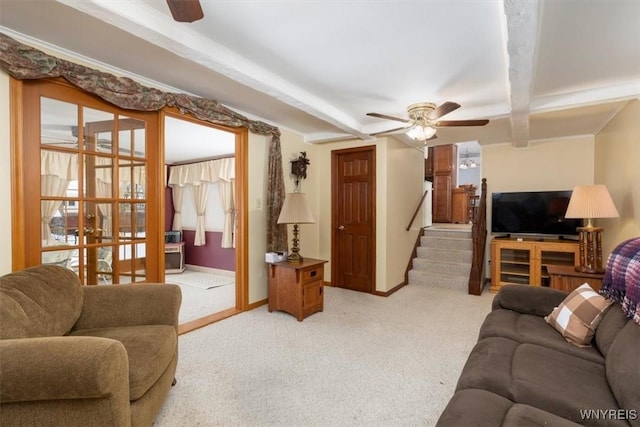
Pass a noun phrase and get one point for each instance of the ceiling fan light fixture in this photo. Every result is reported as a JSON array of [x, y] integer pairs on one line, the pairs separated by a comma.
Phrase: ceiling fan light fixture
[[421, 132]]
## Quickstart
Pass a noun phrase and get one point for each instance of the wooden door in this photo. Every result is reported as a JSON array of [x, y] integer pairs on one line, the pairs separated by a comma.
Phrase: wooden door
[[353, 219], [89, 191], [444, 181]]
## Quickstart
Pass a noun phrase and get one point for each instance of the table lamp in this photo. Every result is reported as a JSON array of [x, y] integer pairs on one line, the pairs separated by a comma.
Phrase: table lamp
[[295, 210], [588, 202]]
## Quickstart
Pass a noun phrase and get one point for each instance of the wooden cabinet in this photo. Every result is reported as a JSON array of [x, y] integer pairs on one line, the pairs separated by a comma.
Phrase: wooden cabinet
[[297, 288], [566, 278], [428, 164], [526, 261], [460, 206], [174, 257], [444, 181], [444, 158]]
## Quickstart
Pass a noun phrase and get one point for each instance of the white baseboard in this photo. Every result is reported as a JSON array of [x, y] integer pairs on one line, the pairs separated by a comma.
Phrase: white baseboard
[[210, 270]]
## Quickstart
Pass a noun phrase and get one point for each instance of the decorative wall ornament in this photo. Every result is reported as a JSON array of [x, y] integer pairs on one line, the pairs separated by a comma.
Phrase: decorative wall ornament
[[299, 167]]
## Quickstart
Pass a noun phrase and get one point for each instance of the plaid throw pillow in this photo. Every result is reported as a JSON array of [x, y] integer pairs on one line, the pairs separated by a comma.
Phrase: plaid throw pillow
[[578, 316]]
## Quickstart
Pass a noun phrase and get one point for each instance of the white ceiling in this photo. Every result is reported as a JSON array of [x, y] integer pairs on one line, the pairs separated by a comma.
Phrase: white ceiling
[[538, 69]]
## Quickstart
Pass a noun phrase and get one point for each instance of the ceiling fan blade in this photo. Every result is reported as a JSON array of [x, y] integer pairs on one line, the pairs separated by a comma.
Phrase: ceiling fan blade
[[388, 132], [451, 123], [384, 116], [185, 10], [445, 108]]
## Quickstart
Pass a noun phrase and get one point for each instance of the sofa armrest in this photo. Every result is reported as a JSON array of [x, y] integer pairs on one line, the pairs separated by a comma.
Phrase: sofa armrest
[[536, 300], [130, 305], [55, 368]]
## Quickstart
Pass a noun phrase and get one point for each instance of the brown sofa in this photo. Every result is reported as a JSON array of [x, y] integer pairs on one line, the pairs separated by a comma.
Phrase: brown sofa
[[73, 355], [522, 372]]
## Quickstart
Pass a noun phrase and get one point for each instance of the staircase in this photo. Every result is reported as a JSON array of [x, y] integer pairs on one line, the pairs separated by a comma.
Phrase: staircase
[[443, 259]]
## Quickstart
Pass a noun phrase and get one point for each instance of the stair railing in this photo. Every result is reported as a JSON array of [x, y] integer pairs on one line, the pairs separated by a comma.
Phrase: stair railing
[[479, 237], [415, 213]]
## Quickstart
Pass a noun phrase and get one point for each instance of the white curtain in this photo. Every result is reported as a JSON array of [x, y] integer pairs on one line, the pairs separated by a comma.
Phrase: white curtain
[[199, 193], [227, 182], [198, 176], [227, 201], [57, 170], [104, 180]]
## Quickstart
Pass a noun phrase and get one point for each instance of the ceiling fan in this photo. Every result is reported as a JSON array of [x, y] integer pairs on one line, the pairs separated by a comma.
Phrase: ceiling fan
[[185, 10], [423, 120]]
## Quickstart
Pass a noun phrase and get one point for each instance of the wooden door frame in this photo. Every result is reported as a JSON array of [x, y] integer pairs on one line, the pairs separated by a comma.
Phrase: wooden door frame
[[372, 204], [242, 217]]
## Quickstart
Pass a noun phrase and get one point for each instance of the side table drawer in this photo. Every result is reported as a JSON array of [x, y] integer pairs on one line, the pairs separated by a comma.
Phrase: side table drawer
[[312, 274]]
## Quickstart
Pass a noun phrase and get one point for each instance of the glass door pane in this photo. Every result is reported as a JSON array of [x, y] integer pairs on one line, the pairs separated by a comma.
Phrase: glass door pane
[[93, 192]]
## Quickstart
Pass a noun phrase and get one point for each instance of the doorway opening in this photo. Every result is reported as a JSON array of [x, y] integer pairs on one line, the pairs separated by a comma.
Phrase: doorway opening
[[201, 218]]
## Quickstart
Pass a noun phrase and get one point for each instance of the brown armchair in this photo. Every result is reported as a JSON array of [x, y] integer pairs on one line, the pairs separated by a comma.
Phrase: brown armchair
[[76, 355]]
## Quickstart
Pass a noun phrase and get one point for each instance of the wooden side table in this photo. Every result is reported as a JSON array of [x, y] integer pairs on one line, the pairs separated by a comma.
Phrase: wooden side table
[[297, 287], [566, 278]]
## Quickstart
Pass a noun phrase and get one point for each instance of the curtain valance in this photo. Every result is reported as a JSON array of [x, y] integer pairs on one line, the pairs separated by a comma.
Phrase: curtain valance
[[209, 171], [25, 62], [62, 165]]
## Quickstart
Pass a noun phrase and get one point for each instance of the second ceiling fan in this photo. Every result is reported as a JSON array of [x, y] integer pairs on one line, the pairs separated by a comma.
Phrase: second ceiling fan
[[423, 120], [185, 10]]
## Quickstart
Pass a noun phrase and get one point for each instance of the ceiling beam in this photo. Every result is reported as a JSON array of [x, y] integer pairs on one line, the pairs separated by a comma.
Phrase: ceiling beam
[[522, 19], [141, 20]]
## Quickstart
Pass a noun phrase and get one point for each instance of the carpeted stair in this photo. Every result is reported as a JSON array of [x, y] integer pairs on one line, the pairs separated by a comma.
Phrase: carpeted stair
[[443, 259]]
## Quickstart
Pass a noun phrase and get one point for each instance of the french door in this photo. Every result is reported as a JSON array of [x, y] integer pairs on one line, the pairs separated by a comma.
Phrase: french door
[[87, 182]]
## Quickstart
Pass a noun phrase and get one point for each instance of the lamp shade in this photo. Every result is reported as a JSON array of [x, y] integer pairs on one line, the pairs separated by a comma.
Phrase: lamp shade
[[591, 201], [295, 210]]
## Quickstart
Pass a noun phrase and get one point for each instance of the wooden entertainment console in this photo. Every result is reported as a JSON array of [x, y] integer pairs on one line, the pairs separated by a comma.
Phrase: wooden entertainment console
[[525, 260]]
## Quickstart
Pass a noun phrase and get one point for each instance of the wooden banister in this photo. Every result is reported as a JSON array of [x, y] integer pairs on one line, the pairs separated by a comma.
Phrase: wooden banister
[[415, 213], [479, 236]]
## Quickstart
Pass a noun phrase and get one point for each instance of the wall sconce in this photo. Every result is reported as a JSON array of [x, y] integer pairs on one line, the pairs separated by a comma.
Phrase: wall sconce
[[588, 202]]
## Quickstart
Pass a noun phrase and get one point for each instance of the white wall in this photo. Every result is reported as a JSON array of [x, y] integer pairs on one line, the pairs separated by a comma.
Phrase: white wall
[[257, 217], [5, 175], [290, 144], [404, 188], [617, 165], [549, 165]]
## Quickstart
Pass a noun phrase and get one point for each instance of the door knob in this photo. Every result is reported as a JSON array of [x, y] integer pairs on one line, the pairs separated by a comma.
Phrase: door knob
[[341, 228], [88, 230]]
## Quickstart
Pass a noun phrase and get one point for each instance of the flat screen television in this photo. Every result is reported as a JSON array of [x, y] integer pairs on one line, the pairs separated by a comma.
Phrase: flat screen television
[[532, 213]]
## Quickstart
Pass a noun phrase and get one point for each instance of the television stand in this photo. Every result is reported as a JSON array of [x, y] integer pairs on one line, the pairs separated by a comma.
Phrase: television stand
[[504, 236], [525, 261]]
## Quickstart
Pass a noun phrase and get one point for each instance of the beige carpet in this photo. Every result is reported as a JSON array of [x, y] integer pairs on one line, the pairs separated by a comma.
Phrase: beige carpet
[[364, 361], [203, 293]]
